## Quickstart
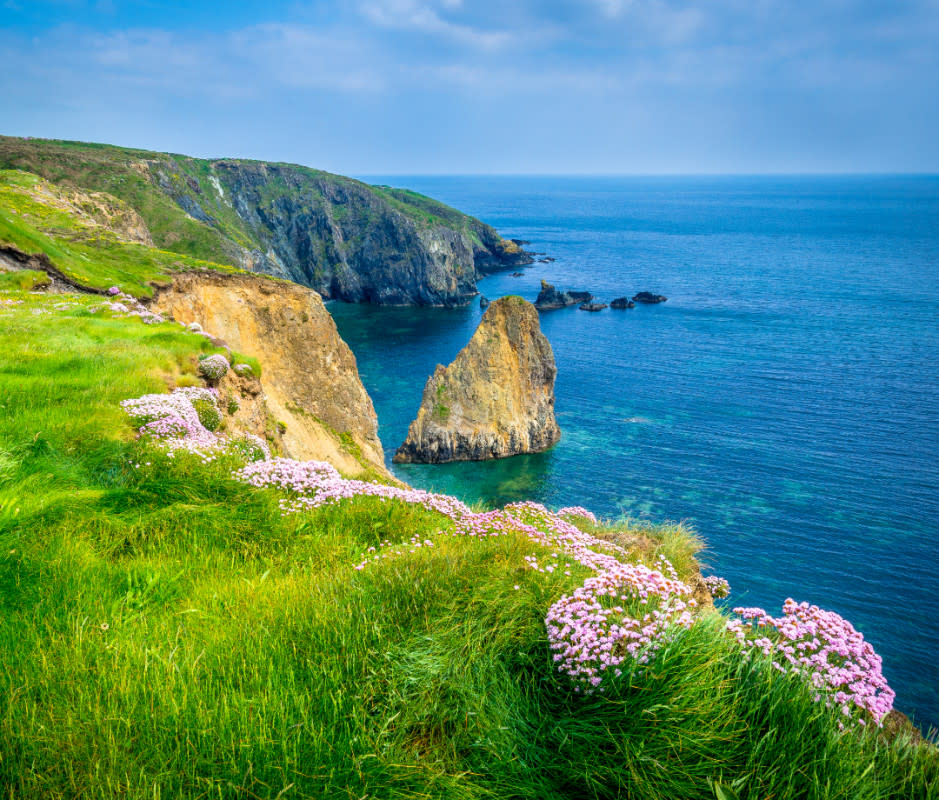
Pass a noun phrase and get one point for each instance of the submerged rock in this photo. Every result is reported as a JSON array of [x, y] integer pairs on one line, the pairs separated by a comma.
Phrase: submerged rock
[[550, 298], [622, 302], [649, 298], [592, 306], [497, 397]]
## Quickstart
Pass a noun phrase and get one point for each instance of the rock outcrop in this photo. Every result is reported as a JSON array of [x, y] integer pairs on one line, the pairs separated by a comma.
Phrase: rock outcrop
[[649, 298], [622, 302], [311, 386], [550, 298], [592, 306], [497, 397]]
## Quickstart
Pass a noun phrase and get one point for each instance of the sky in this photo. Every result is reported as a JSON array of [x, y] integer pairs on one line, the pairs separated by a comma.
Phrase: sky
[[385, 87]]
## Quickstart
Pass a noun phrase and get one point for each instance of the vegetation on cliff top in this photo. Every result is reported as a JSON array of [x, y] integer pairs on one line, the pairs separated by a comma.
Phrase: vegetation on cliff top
[[336, 234], [166, 631], [36, 217]]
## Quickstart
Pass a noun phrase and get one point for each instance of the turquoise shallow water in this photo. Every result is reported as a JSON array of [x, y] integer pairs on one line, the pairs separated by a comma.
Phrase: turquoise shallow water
[[784, 400]]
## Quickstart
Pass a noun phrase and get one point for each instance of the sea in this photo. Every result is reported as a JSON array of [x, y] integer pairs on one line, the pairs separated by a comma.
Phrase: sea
[[784, 401]]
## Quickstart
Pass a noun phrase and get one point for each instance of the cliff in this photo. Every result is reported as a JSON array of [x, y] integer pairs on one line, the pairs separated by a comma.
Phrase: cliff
[[342, 237], [497, 397], [308, 374]]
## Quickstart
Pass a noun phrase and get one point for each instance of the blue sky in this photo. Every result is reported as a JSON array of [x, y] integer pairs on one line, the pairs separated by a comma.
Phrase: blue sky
[[486, 86]]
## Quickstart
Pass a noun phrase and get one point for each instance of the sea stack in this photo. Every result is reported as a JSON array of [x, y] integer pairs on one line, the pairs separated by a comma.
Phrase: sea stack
[[550, 298], [497, 397]]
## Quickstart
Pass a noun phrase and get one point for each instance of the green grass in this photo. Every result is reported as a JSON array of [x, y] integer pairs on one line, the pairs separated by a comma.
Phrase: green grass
[[250, 361], [86, 254], [26, 279], [165, 632], [122, 172]]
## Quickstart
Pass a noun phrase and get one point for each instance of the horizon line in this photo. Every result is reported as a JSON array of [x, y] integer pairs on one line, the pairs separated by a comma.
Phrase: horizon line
[[793, 174], [363, 174]]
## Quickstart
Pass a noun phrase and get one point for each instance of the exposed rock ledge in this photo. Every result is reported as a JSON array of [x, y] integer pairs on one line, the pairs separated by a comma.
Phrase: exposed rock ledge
[[497, 397], [308, 373], [550, 298]]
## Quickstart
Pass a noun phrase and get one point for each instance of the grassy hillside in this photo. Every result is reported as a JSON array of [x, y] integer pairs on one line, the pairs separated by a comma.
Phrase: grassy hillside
[[37, 217], [162, 187], [166, 631], [122, 172]]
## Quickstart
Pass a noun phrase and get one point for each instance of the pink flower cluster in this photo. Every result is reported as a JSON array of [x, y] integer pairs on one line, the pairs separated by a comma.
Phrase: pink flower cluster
[[718, 587], [558, 534], [624, 613], [577, 511], [312, 484], [825, 649], [212, 368], [172, 422], [127, 305], [529, 519]]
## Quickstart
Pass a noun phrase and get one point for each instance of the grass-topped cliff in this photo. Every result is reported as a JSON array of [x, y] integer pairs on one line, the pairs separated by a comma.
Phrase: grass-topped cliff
[[91, 238], [167, 631], [337, 235], [183, 615]]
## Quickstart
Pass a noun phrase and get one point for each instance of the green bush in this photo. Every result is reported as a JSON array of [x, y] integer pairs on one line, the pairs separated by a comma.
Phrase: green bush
[[208, 413]]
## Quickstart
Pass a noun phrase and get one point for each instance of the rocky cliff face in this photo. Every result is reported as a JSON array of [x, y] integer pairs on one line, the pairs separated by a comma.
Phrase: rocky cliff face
[[308, 374], [497, 397], [357, 243], [342, 237]]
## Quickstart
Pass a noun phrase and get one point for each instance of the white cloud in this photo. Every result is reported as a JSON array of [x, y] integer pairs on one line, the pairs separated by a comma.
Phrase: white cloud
[[306, 58], [613, 8], [424, 18]]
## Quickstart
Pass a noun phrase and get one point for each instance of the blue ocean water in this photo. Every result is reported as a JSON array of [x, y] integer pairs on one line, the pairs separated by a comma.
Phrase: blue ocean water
[[783, 401]]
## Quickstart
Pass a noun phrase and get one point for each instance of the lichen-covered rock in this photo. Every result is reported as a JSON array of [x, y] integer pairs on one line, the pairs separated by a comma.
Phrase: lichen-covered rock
[[312, 392], [497, 397]]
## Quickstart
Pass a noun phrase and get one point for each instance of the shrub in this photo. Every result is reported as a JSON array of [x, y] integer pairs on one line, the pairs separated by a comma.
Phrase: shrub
[[208, 413]]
